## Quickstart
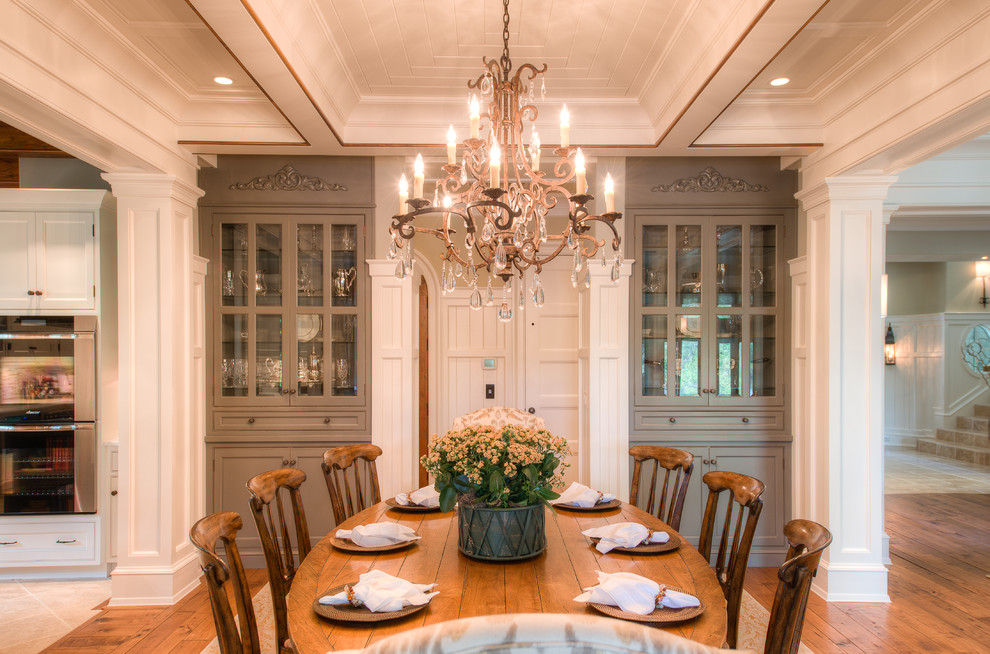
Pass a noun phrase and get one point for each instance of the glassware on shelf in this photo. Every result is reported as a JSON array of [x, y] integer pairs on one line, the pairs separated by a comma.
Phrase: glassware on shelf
[[228, 284], [260, 287], [341, 370], [343, 281]]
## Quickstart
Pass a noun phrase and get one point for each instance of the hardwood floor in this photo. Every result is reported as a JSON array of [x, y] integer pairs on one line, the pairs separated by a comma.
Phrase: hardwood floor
[[939, 585]]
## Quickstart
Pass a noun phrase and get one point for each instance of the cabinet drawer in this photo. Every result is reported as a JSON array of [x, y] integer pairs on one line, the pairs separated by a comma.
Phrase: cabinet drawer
[[709, 420], [337, 421], [48, 543]]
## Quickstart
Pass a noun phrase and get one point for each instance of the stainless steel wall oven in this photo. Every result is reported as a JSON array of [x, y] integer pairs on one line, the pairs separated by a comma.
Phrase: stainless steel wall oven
[[47, 414]]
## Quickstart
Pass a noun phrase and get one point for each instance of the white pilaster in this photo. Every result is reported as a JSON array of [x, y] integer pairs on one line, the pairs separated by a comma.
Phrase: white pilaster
[[608, 380], [161, 468], [393, 378], [843, 395]]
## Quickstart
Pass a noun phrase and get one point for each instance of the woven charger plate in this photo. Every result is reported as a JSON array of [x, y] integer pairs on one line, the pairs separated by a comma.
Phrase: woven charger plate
[[348, 613], [350, 546], [601, 506], [411, 508], [659, 616], [652, 548]]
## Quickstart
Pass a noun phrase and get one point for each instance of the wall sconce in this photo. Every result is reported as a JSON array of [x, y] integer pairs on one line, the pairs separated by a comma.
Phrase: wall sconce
[[983, 270], [889, 355]]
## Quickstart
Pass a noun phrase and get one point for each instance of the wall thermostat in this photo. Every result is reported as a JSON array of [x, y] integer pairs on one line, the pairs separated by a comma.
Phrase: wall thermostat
[[488, 364]]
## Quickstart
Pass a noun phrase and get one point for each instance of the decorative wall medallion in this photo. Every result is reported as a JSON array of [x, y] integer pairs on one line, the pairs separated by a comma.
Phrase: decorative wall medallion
[[286, 179], [709, 180]]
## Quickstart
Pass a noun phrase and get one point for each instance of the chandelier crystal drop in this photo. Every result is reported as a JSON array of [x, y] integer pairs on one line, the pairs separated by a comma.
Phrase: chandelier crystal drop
[[502, 195]]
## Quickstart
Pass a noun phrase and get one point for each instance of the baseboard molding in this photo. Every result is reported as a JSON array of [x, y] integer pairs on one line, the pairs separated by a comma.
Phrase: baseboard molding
[[154, 585], [852, 583]]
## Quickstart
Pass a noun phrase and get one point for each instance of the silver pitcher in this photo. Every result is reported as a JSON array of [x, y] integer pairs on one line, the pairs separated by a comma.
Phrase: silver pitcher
[[343, 281]]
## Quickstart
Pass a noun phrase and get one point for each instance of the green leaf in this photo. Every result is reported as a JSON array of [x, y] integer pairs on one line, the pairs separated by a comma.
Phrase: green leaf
[[496, 483], [530, 473], [546, 493], [448, 497]]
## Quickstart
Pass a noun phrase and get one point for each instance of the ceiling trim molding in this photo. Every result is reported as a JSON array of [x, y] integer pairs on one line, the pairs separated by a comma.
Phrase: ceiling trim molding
[[760, 72], [261, 88]]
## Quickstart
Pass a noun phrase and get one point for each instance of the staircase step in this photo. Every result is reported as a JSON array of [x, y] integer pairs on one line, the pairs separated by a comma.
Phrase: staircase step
[[981, 410], [962, 437], [957, 451], [981, 425]]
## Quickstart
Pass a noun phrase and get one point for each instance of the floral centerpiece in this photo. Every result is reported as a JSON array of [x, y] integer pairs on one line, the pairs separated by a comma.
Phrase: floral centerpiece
[[500, 477]]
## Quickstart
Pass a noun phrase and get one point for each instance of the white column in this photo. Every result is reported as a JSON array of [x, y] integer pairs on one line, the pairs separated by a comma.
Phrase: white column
[[393, 378], [844, 393], [608, 379], [161, 469]]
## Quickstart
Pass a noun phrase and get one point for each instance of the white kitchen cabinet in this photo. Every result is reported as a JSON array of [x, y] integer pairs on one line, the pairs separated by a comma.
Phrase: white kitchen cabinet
[[48, 249]]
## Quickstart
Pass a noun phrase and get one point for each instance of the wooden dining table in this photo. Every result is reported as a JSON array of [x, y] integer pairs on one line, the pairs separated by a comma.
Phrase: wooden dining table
[[547, 583]]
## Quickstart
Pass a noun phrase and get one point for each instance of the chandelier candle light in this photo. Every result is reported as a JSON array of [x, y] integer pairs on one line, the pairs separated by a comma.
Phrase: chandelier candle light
[[505, 220]]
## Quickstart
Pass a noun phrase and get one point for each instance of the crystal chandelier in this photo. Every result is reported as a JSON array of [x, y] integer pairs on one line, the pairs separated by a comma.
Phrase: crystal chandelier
[[502, 196]]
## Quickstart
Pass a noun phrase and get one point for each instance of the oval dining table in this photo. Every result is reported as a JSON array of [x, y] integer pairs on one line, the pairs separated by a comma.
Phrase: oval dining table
[[547, 583]]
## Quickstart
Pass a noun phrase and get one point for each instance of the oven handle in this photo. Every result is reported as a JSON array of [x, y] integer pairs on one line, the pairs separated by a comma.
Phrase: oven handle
[[29, 336], [68, 426]]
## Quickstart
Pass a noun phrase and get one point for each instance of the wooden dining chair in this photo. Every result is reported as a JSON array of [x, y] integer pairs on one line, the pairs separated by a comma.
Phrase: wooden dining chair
[[730, 564], [672, 495], [266, 489], [205, 535], [807, 541], [348, 486]]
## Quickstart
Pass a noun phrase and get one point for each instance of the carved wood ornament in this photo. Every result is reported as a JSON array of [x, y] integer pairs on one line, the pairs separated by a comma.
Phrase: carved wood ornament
[[287, 179], [709, 180]]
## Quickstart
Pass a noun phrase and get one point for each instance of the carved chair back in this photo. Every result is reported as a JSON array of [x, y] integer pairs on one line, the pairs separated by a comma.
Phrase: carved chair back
[[351, 489], [222, 528], [670, 502], [266, 489], [807, 541], [733, 554]]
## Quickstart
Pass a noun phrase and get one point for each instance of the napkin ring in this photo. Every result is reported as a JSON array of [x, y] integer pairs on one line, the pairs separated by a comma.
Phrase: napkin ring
[[349, 591], [649, 537], [660, 596], [601, 497]]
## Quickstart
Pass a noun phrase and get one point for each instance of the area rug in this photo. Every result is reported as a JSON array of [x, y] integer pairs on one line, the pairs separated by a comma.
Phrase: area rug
[[753, 621]]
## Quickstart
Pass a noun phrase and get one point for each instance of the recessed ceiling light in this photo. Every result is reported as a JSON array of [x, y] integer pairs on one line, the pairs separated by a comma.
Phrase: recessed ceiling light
[[226, 80], [780, 81]]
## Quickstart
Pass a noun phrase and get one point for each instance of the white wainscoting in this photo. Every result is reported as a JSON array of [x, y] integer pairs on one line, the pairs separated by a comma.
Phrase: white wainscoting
[[914, 387], [930, 385]]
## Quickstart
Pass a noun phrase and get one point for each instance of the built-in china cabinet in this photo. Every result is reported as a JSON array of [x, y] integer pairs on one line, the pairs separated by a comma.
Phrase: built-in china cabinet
[[287, 331], [710, 323]]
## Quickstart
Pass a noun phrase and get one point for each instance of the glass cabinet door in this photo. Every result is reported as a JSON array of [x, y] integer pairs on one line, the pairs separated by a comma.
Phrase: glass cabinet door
[[289, 329], [707, 308]]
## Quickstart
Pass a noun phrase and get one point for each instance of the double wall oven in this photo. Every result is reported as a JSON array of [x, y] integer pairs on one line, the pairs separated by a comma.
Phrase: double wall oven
[[47, 414]]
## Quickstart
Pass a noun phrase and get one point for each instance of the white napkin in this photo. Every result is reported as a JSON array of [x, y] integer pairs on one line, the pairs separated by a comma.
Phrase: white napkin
[[378, 534], [623, 534], [425, 496], [633, 593], [380, 591], [580, 495]]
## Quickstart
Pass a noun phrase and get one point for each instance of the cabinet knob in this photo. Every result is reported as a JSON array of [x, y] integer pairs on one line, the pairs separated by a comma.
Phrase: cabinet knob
[[285, 462], [714, 462], [250, 421], [745, 419], [673, 420], [292, 462], [326, 421], [285, 391], [705, 462], [40, 293], [113, 493], [292, 391], [531, 409], [29, 293]]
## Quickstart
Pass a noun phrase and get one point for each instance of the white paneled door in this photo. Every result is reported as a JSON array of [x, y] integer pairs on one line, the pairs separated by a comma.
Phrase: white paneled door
[[551, 363]]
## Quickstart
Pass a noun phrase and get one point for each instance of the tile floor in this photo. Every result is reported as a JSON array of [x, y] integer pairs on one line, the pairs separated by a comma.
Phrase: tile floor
[[34, 614], [909, 471]]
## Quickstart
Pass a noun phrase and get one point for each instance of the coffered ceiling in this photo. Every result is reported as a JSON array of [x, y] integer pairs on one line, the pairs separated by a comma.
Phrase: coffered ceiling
[[663, 77]]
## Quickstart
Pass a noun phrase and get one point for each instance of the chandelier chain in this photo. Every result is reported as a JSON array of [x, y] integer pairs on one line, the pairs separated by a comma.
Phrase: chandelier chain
[[505, 61]]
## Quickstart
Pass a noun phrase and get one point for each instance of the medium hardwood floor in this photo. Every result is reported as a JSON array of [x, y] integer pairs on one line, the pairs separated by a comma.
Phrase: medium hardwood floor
[[939, 585]]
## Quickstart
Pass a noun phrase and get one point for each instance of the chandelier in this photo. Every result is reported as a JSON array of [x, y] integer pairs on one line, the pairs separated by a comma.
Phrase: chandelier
[[502, 195]]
